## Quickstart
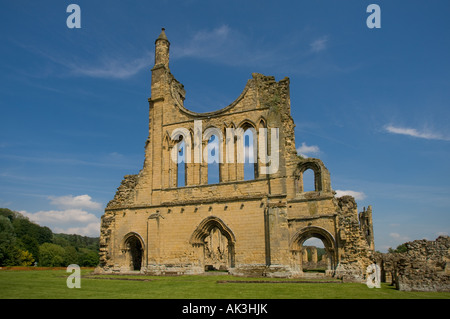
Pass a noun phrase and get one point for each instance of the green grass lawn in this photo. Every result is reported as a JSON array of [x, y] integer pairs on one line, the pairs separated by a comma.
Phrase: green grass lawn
[[51, 284]]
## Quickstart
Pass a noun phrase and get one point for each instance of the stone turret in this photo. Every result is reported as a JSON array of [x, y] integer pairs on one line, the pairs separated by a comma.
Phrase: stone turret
[[162, 45]]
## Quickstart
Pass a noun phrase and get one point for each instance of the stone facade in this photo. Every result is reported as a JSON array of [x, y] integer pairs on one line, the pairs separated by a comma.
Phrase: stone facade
[[424, 266], [257, 226]]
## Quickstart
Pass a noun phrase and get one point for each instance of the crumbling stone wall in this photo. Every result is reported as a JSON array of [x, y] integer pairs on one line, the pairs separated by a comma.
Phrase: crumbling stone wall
[[425, 266], [125, 192], [355, 252], [105, 244]]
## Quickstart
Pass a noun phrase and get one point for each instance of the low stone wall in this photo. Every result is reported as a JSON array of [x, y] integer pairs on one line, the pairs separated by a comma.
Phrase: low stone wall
[[425, 266]]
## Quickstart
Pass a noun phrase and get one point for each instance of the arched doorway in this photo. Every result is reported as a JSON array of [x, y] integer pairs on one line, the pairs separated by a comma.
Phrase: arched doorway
[[304, 255], [134, 251], [217, 241]]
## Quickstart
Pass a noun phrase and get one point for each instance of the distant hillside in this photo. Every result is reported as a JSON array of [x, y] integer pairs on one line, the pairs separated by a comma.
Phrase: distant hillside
[[25, 243]]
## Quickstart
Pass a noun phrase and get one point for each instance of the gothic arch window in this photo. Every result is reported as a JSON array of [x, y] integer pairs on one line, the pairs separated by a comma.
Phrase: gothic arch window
[[181, 163], [247, 151], [213, 154], [213, 150], [308, 177], [181, 155], [309, 181], [249, 156], [262, 123]]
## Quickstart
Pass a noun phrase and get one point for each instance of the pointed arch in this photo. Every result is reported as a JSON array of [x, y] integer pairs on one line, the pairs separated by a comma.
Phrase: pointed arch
[[205, 227], [217, 241], [245, 124], [133, 247], [213, 153], [262, 122]]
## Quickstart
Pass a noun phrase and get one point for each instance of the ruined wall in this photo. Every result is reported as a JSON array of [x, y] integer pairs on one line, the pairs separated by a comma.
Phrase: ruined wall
[[425, 266], [125, 193], [355, 252], [250, 227]]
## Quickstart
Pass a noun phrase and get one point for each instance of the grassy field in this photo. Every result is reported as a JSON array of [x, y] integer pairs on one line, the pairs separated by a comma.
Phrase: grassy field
[[51, 284]]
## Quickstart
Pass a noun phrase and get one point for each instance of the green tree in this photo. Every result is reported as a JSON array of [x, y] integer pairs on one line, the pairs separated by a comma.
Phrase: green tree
[[51, 255], [70, 255], [29, 244], [400, 249], [22, 241], [88, 258], [11, 215], [23, 226], [19, 257], [60, 240], [25, 258], [7, 240]]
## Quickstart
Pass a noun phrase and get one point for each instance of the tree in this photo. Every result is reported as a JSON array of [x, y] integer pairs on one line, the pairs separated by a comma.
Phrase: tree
[[51, 255], [8, 213], [29, 244], [88, 258], [22, 242], [23, 226], [400, 249], [7, 240], [25, 258], [19, 257], [70, 255]]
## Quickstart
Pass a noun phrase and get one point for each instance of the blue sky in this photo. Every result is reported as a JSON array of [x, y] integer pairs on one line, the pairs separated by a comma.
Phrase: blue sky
[[373, 104]]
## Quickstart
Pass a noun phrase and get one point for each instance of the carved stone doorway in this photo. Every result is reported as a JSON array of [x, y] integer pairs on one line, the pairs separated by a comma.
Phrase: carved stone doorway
[[216, 251], [217, 241]]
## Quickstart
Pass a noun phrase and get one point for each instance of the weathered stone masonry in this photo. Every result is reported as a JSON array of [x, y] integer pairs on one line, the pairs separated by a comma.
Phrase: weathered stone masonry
[[249, 227], [424, 266]]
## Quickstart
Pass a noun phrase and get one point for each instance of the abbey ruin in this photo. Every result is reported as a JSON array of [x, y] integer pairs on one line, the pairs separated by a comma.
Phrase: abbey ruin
[[171, 219]]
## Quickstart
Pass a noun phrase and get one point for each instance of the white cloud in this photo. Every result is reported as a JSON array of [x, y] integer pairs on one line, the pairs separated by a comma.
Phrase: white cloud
[[116, 63], [69, 221], [73, 216], [313, 241], [91, 230], [206, 43], [355, 194], [59, 217], [107, 67], [304, 150], [399, 237], [415, 133], [224, 45], [319, 44], [69, 201]]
